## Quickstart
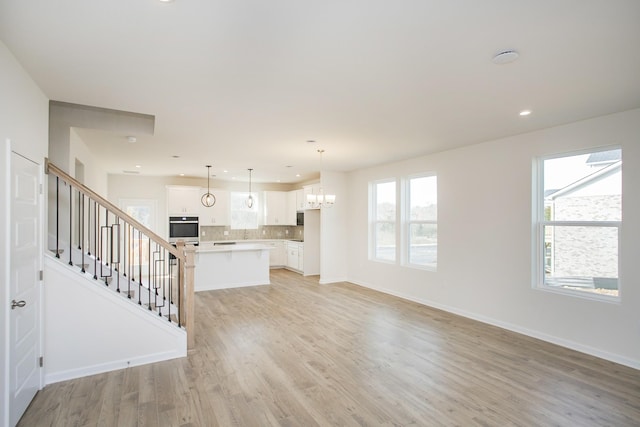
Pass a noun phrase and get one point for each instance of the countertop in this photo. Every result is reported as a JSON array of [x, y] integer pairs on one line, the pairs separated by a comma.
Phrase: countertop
[[240, 246]]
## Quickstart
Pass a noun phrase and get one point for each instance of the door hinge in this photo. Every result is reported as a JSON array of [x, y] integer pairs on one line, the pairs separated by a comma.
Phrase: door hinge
[[41, 360], [41, 275]]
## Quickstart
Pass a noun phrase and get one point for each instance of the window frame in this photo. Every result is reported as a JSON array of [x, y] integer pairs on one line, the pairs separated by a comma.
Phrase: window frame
[[539, 223], [255, 209], [373, 220], [407, 221]]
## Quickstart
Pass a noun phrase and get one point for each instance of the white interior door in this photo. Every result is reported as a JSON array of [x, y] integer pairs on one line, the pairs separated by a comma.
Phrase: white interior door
[[24, 285]]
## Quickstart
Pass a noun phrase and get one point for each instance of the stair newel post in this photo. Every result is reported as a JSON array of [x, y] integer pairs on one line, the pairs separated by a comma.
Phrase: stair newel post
[[70, 224], [57, 217], [187, 303]]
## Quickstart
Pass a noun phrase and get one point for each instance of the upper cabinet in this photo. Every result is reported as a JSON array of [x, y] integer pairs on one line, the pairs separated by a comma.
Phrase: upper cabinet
[[275, 208], [301, 201], [183, 200], [218, 214]]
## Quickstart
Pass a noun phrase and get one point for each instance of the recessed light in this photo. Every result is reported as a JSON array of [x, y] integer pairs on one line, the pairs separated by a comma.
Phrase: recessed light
[[311, 141], [297, 175], [225, 171], [131, 139], [175, 156], [525, 112], [138, 166], [505, 57], [166, 1], [181, 174]]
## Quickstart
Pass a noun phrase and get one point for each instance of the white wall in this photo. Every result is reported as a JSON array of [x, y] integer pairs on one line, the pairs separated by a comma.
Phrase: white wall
[[485, 244], [333, 229], [23, 129], [95, 176], [91, 329]]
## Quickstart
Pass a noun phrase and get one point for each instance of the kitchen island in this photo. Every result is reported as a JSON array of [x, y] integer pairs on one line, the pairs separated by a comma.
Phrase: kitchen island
[[231, 266]]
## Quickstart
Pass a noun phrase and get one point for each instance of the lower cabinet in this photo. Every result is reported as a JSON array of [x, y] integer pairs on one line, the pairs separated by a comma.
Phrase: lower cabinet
[[277, 255], [295, 256]]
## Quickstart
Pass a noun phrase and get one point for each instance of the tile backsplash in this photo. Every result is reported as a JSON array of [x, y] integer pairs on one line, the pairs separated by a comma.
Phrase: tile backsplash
[[217, 233]]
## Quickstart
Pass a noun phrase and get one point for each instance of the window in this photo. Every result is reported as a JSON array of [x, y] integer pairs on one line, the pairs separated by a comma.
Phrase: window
[[243, 218], [383, 224], [422, 226], [579, 214]]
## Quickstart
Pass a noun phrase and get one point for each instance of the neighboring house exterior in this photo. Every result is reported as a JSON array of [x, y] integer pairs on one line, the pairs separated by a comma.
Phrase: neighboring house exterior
[[577, 252]]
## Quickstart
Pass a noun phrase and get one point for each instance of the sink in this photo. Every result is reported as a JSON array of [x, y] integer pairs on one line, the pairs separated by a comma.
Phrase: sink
[[223, 243]]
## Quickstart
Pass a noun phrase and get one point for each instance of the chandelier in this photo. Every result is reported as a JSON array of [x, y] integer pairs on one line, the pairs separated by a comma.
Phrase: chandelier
[[321, 199]]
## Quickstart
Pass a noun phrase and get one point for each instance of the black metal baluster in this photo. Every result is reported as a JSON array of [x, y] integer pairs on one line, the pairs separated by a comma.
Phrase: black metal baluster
[[80, 246], [127, 255], [139, 267], [79, 222], [170, 282], [149, 269], [95, 240], [98, 242], [115, 257], [89, 227], [57, 217], [70, 224]]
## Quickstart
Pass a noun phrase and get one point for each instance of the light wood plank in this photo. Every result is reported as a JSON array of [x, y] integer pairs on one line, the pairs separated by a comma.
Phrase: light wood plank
[[297, 353]]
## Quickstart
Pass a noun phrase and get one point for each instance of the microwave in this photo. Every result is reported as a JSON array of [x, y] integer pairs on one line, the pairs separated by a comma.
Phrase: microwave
[[185, 228], [299, 218]]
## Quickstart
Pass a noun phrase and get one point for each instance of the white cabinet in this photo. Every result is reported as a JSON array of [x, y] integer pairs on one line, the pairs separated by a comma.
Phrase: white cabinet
[[292, 208], [301, 201], [277, 254], [292, 256], [295, 256], [275, 208], [217, 214], [183, 200]]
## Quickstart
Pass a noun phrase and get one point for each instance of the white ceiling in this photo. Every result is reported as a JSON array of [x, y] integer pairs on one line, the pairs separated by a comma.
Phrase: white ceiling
[[241, 84]]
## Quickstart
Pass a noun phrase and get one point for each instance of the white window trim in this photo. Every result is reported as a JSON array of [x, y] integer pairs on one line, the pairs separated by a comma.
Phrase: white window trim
[[538, 224]]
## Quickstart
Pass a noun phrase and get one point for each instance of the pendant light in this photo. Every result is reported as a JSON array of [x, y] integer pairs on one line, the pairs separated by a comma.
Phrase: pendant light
[[321, 200], [250, 198], [208, 199]]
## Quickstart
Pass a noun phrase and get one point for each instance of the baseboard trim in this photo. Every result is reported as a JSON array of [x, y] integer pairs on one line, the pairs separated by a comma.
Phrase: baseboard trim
[[612, 357], [111, 366]]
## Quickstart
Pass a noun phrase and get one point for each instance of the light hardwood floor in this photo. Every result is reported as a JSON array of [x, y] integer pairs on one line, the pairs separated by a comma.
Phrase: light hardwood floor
[[297, 353]]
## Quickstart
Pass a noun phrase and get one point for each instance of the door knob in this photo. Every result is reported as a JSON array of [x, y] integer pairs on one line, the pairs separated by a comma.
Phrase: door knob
[[15, 304]]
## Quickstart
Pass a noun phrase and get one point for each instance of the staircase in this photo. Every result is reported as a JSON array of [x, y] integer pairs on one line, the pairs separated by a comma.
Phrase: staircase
[[115, 251]]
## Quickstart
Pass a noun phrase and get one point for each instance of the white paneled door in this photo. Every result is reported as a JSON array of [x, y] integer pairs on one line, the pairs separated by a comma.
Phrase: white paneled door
[[24, 288]]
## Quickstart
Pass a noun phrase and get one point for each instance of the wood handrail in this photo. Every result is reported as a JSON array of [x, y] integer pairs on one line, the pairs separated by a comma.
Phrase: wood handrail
[[50, 167]]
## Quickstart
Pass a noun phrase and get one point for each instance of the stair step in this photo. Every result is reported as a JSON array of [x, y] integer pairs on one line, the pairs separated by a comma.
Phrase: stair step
[[58, 252], [174, 318]]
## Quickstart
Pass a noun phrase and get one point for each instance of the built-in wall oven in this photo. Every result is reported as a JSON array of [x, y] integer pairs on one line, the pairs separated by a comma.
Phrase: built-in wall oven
[[184, 228]]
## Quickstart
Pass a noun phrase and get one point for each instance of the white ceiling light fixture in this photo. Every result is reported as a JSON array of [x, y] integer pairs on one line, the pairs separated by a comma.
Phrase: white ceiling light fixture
[[250, 200], [321, 200], [525, 113], [208, 199], [505, 57]]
